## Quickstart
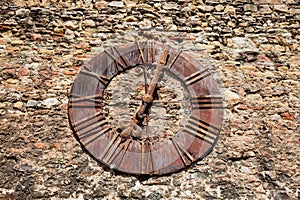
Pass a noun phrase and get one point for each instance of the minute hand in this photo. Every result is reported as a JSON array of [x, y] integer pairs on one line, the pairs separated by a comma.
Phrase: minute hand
[[148, 97]]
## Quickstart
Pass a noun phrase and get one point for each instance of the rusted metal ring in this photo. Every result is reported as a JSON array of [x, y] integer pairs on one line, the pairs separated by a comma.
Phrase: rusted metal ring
[[194, 141]]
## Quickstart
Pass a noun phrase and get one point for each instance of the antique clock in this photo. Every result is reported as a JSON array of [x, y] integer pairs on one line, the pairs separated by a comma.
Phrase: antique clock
[[146, 108]]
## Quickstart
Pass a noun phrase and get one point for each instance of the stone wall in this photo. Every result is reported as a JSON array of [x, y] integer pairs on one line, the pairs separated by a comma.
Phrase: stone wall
[[254, 47]]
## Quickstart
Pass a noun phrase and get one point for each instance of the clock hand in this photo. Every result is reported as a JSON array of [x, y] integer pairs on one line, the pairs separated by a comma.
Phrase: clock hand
[[126, 132], [146, 90], [131, 130], [148, 97], [160, 66], [145, 80]]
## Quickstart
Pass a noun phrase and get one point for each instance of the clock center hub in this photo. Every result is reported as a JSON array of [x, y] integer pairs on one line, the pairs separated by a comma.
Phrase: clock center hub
[[147, 98]]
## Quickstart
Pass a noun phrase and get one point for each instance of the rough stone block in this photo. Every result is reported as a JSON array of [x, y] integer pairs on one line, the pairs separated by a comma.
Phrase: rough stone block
[[281, 8], [250, 7], [265, 9]]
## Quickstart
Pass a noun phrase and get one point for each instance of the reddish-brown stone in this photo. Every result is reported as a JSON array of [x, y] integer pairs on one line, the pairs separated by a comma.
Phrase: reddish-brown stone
[[287, 116], [70, 72], [23, 72], [41, 145]]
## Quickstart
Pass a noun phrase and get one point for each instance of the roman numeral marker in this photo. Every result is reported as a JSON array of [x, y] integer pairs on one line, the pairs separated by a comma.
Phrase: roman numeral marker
[[93, 101], [197, 76], [174, 59], [91, 127], [202, 130], [123, 62], [92, 98], [119, 150], [150, 52], [207, 102], [141, 51], [93, 135], [151, 158], [111, 148], [86, 71], [180, 150], [142, 157], [147, 158]]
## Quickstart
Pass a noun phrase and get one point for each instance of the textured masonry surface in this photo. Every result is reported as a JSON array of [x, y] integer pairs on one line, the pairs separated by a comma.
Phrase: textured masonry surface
[[253, 46]]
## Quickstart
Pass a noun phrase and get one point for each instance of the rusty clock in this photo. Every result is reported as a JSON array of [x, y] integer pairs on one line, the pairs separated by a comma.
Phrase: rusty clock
[[146, 108]]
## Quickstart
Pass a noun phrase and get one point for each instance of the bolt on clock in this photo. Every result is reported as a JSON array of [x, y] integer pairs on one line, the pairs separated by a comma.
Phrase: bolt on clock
[[146, 108]]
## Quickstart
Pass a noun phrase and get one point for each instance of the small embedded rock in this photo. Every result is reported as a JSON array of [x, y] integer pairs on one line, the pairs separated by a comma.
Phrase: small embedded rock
[[50, 102], [281, 8], [130, 19], [265, 9], [287, 116], [2, 105], [242, 43], [249, 154], [250, 7], [229, 95], [31, 103], [23, 72], [71, 25], [101, 5], [230, 10], [204, 8], [22, 12], [18, 105], [118, 4], [170, 6], [145, 25], [254, 98], [12, 81], [89, 23], [17, 42], [219, 8], [245, 170]]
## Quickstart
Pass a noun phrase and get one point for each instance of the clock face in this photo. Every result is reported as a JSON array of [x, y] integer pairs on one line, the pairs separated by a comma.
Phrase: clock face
[[145, 108]]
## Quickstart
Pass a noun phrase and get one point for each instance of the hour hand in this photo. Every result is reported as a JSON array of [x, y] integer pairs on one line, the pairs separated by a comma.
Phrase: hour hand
[[141, 114], [131, 129]]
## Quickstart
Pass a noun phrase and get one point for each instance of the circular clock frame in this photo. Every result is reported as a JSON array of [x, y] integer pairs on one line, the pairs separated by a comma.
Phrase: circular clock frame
[[126, 154]]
